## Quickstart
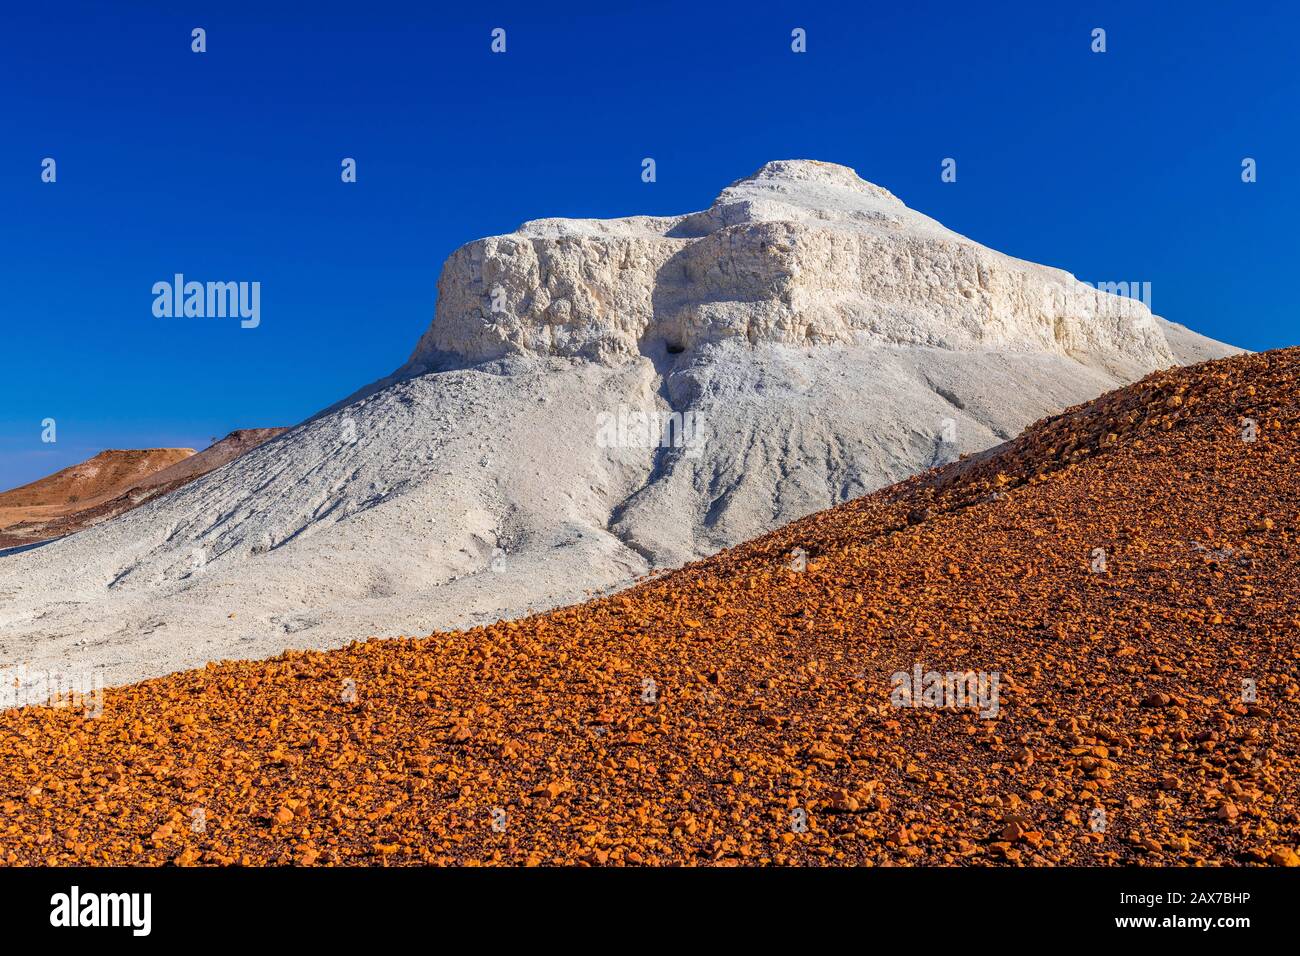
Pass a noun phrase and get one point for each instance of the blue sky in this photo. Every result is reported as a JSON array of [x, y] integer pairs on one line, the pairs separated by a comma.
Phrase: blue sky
[[225, 166]]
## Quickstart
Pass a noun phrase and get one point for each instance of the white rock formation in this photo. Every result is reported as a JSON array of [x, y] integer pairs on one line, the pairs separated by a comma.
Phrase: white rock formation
[[815, 337], [801, 253]]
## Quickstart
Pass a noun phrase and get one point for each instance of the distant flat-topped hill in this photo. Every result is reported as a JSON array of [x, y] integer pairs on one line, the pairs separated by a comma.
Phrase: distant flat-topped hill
[[110, 484]]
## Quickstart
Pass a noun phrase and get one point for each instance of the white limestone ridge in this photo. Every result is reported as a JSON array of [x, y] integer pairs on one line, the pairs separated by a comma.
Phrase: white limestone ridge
[[801, 252], [826, 339]]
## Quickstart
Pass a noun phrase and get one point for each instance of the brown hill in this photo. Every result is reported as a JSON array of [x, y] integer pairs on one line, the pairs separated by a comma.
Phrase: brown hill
[[1127, 572], [97, 479], [214, 456], [109, 484]]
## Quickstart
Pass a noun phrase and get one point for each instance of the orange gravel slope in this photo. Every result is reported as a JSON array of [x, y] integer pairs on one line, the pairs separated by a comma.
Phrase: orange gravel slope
[[740, 711]]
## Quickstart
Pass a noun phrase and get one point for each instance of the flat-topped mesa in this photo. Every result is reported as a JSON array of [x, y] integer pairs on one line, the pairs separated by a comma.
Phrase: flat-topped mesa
[[801, 252]]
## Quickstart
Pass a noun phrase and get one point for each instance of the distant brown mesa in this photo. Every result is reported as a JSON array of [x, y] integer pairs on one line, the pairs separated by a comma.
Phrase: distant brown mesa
[[111, 483]]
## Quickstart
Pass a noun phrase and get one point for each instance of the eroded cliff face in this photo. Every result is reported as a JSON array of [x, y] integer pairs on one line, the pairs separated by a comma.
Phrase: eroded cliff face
[[802, 252]]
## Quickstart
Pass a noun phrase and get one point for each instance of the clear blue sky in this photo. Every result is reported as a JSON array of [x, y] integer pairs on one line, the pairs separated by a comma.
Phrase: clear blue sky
[[225, 166]]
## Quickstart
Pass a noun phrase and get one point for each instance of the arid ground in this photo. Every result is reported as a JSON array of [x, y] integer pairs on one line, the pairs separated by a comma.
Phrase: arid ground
[[1127, 571]]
